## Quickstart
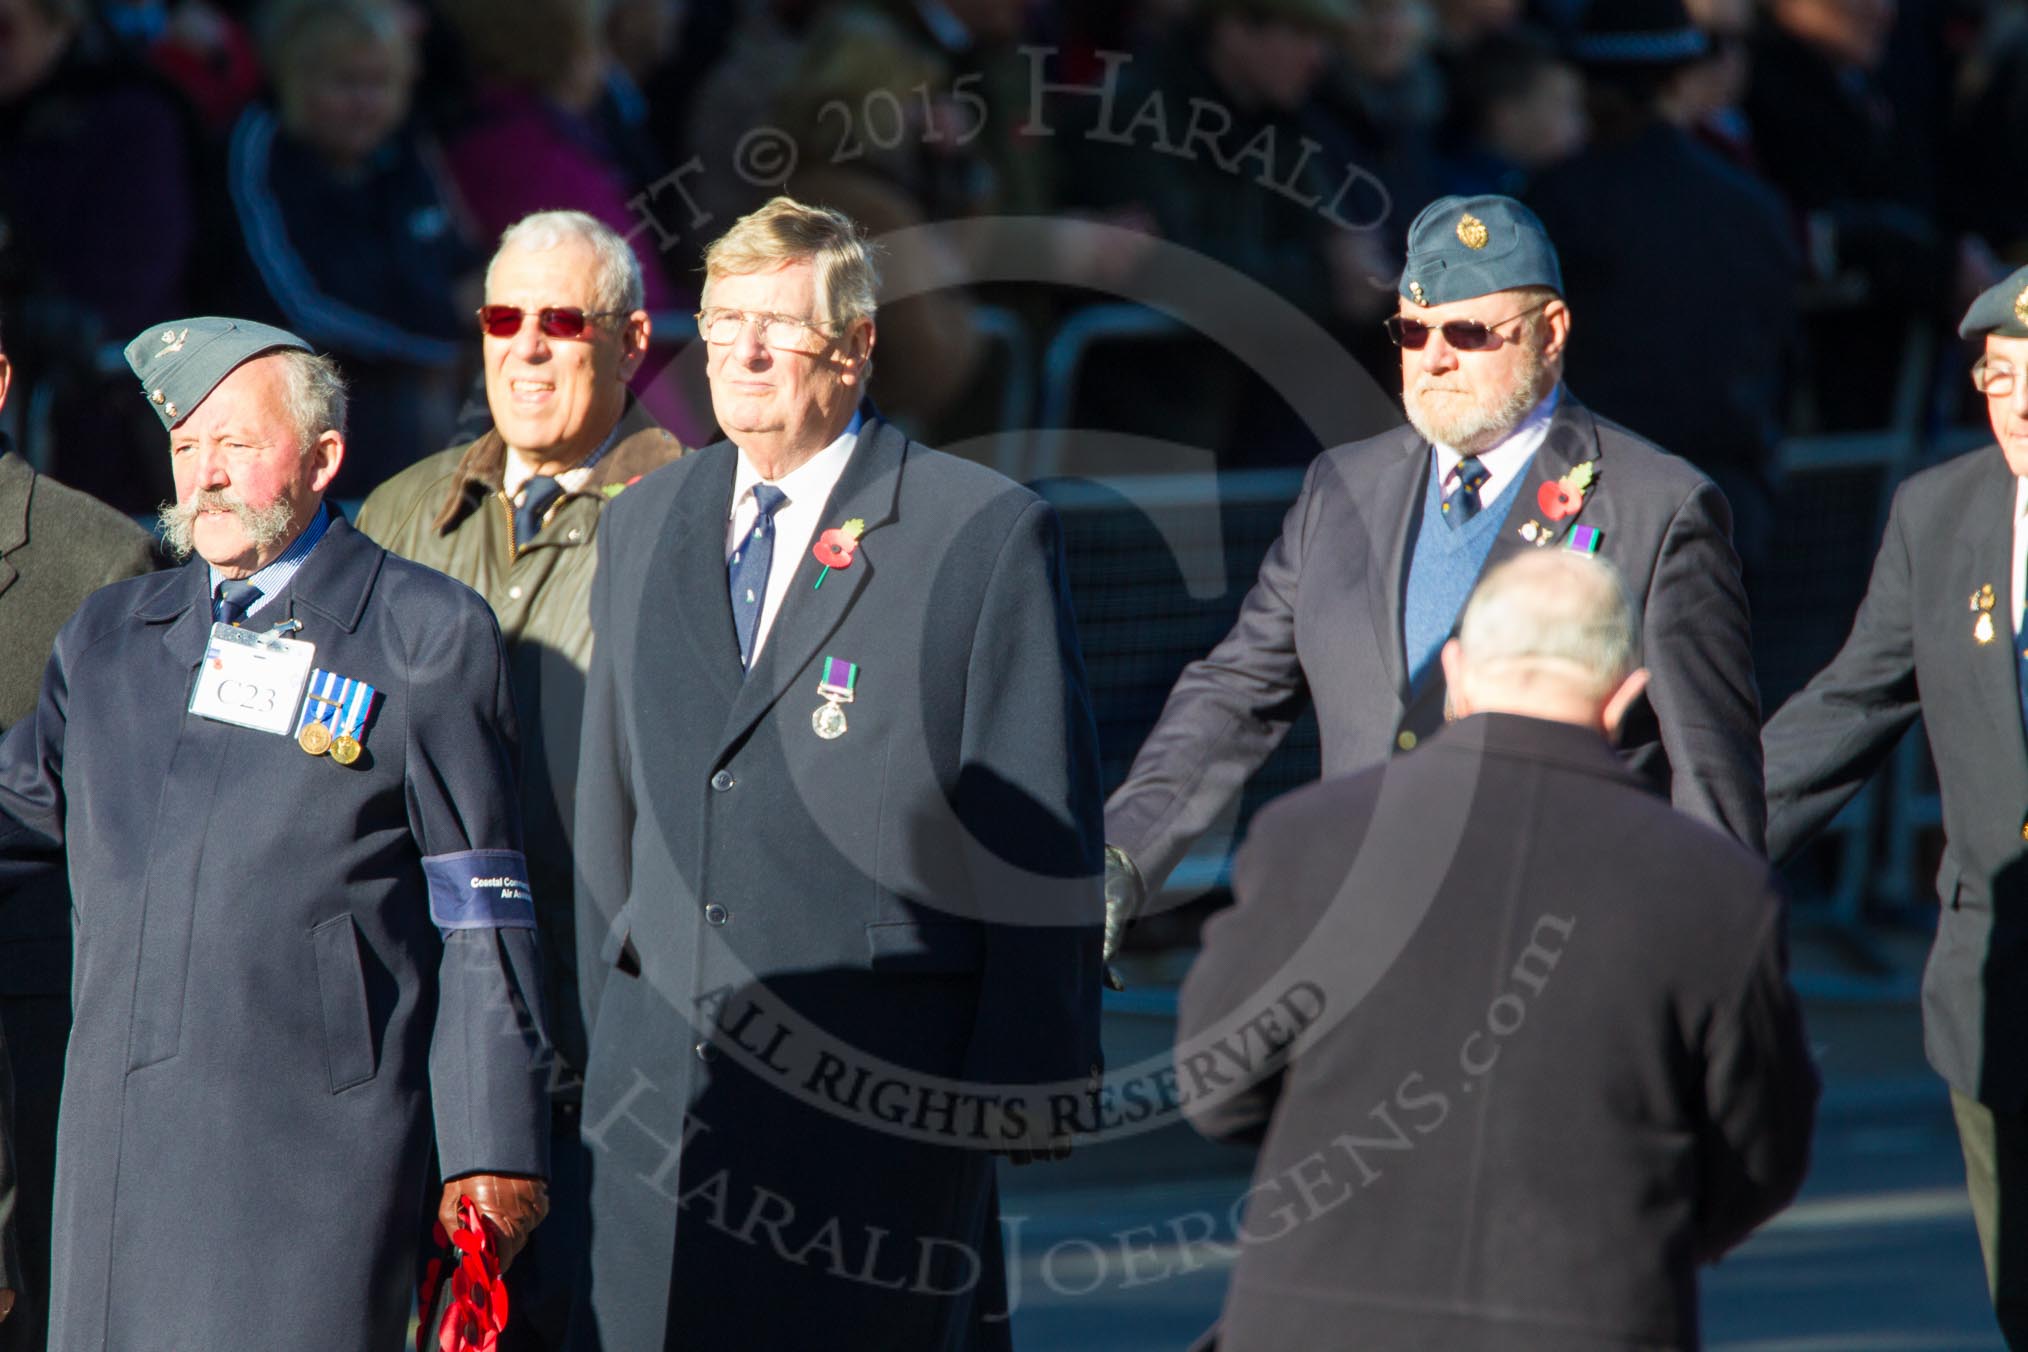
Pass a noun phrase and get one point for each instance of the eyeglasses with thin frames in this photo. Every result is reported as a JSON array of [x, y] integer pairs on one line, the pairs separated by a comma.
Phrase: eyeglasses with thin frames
[[1466, 335], [783, 333], [1994, 380]]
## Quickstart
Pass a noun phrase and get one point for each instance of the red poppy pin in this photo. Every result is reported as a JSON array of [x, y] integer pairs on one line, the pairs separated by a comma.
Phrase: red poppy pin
[[836, 547], [1565, 498]]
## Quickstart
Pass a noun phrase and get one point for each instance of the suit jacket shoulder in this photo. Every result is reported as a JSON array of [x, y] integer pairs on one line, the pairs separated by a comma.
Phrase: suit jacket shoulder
[[79, 524], [1658, 469], [939, 473], [1946, 487]]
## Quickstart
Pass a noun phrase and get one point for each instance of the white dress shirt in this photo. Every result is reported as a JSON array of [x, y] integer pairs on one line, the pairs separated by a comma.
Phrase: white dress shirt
[[1504, 462], [809, 487]]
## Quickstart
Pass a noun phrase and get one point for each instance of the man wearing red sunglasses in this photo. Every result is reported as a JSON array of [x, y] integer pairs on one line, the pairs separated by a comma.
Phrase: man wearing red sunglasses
[[514, 516], [1389, 535]]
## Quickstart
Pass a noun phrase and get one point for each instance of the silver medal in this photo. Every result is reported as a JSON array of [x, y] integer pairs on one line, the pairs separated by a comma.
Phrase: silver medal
[[829, 721]]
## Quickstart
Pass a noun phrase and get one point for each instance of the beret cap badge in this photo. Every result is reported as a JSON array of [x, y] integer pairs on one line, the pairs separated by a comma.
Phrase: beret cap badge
[[2021, 305], [1462, 247]]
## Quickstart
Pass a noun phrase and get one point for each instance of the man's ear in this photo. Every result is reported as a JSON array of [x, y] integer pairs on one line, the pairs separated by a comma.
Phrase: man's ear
[[634, 337], [6, 378], [326, 453], [858, 354], [1621, 700], [1556, 318], [1457, 701]]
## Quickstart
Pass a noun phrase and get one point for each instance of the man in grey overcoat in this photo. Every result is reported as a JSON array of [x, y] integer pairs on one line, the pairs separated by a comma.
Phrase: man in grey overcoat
[[304, 940], [838, 838]]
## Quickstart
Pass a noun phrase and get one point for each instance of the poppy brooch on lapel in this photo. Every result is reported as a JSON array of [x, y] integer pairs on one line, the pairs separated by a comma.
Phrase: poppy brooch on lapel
[[1562, 500], [836, 547]]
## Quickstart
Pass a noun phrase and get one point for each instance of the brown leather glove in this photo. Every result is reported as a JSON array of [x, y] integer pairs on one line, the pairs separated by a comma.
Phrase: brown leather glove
[[513, 1205]]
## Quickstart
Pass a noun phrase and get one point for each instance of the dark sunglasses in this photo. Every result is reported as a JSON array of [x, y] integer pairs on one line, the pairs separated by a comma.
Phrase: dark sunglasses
[[556, 321], [1466, 335]]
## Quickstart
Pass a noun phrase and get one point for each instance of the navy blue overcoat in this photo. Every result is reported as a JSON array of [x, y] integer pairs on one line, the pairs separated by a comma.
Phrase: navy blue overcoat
[[287, 969]]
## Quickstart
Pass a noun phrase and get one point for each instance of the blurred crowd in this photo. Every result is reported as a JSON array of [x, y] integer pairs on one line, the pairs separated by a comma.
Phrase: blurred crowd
[[1760, 203]]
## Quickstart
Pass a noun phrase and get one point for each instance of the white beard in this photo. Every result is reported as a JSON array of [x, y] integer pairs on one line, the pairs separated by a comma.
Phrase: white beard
[[1476, 427]]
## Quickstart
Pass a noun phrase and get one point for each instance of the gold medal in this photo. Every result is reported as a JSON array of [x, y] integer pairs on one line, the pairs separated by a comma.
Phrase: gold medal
[[315, 738], [344, 750]]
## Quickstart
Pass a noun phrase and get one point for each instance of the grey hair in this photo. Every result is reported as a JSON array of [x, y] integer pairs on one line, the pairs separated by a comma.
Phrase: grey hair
[[787, 231], [316, 396], [1554, 608], [616, 273]]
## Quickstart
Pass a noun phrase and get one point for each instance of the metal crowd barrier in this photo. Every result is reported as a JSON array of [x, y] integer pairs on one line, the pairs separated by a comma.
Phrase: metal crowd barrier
[[1160, 563]]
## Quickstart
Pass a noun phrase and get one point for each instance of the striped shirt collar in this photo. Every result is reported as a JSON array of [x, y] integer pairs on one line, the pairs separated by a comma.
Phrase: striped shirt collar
[[272, 579]]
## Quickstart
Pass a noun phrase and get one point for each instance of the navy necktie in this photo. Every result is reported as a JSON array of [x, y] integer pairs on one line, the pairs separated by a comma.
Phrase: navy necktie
[[747, 572], [1461, 504], [540, 491], [235, 599]]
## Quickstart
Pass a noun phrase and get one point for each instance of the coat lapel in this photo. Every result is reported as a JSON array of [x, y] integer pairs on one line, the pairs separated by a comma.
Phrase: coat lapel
[[689, 570], [1398, 497], [868, 490], [1986, 554], [17, 485], [333, 583], [182, 606], [1572, 439]]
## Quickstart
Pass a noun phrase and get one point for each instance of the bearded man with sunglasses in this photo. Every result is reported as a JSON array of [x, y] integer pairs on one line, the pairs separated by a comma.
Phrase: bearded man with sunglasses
[[1379, 552], [514, 516]]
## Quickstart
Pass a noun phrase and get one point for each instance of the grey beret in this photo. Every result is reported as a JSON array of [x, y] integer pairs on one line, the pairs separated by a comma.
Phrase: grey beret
[[1461, 247], [2001, 309], [181, 362]]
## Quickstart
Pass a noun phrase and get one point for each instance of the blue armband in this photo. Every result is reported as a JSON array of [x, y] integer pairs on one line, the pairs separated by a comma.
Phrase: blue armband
[[480, 889]]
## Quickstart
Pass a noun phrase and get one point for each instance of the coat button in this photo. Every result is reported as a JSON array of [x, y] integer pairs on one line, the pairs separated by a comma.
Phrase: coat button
[[574, 535], [514, 593], [1406, 741], [716, 914], [722, 781], [705, 1051]]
